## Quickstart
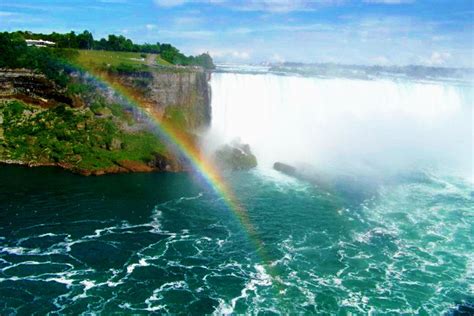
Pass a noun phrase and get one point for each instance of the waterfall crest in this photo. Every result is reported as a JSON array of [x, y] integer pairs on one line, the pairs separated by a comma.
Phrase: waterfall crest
[[344, 122]]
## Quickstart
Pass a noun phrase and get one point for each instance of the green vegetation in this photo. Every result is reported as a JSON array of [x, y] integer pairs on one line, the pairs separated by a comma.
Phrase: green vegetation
[[176, 117], [85, 40], [121, 62], [98, 135], [55, 63], [14, 53], [93, 58], [84, 139], [100, 57]]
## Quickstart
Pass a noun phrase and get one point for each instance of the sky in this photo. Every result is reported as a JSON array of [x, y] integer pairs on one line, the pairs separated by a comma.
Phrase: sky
[[382, 32]]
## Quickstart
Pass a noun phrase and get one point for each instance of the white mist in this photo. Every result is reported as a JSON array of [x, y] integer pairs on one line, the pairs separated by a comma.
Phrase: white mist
[[344, 123]]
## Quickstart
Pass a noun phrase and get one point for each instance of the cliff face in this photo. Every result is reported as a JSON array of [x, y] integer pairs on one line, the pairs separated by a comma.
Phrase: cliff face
[[31, 87], [88, 130], [171, 91], [166, 91]]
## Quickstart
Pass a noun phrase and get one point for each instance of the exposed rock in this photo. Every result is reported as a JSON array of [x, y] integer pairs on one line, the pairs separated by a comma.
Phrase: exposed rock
[[102, 111], [30, 140], [185, 89], [161, 162], [180, 92], [305, 174], [236, 157], [31, 87], [77, 101], [115, 144], [134, 166], [284, 168], [81, 125]]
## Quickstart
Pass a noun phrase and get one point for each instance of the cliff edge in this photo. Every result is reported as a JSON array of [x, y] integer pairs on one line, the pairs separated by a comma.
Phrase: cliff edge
[[89, 129]]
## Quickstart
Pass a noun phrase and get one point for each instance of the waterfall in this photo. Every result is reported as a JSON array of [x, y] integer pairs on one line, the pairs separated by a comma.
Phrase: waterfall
[[389, 123]]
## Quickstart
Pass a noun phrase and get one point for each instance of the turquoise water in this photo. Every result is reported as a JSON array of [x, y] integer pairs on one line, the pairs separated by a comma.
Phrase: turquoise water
[[137, 243]]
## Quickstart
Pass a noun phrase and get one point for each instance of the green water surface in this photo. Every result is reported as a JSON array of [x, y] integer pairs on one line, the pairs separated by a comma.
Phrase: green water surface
[[165, 243]]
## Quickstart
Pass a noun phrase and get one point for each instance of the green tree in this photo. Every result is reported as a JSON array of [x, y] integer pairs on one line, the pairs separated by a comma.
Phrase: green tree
[[85, 40], [12, 47]]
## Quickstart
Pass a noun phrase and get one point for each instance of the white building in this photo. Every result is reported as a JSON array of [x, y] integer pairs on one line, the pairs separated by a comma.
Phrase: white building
[[39, 43]]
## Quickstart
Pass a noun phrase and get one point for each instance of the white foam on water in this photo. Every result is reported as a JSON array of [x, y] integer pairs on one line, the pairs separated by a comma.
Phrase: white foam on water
[[258, 279], [141, 263]]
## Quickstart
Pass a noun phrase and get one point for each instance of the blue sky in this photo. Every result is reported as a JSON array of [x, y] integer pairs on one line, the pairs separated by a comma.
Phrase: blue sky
[[399, 32]]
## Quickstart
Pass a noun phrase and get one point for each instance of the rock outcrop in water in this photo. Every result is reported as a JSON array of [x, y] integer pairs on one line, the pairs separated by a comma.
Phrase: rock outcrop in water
[[356, 187], [302, 173], [236, 157], [284, 168]]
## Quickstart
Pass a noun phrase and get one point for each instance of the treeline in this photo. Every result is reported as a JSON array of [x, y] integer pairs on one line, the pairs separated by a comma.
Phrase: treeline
[[15, 53], [120, 43]]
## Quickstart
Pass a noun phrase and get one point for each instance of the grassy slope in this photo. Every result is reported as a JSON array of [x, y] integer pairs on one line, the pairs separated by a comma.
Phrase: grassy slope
[[98, 58], [81, 138], [71, 136]]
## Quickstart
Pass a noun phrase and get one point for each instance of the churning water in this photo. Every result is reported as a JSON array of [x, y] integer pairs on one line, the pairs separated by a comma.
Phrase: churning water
[[390, 229]]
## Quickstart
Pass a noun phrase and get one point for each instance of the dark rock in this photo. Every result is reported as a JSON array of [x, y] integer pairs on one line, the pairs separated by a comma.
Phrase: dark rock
[[134, 166], [162, 163], [102, 111], [300, 173], [236, 157], [115, 144], [462, 309], [31, 87], [284, 168]]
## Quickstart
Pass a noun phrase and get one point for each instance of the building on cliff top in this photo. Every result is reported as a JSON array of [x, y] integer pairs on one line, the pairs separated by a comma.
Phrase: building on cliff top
[[39, 43]]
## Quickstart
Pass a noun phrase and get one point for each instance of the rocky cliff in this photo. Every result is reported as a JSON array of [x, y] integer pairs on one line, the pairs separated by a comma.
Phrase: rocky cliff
[[173, 92], [89, 129], [31, 87]]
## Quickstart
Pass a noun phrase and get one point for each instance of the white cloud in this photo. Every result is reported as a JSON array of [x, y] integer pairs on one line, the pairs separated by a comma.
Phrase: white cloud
[[150, 27], [240, 55], [437, 59], [4, 13], [272, 5], [389, 1], [229, 54], [113, 1], [187, 20], [170, 3], [242, 30], [381, 60], [11, 18], [173, 34], [275, 6], [277, 58], [281, 6]]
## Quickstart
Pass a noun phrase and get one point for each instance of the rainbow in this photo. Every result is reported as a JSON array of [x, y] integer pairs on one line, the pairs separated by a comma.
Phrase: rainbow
[[203, 167], [186, 147]]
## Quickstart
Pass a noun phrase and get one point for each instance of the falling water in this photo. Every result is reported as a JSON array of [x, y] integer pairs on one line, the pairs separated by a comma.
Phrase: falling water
[[345, 123]]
